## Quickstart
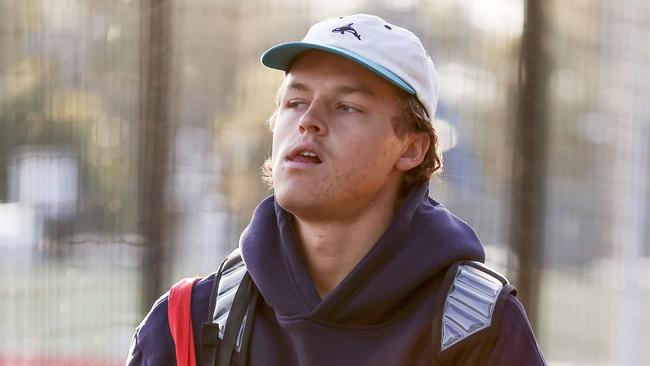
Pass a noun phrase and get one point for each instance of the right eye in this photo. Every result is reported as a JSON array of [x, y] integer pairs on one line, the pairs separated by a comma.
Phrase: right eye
[[295, 103]]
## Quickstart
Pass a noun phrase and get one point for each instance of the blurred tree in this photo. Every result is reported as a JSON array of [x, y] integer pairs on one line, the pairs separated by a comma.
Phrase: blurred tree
[[531, 144], [154, 145]]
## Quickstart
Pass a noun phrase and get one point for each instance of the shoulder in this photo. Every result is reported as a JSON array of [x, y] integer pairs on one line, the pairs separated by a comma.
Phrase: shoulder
[[201, 294], [507, 324], [514, 324], [152, 342], [483, 319], [516, 343], [470, 304]]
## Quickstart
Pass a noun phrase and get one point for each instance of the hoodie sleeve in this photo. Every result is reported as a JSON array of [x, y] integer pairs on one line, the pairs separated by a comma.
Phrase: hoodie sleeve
[[516, 344], [135, 357], [152, 343]]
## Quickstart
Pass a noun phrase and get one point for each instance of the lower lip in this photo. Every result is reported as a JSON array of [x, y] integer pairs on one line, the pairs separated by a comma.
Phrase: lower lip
[[299, 164]]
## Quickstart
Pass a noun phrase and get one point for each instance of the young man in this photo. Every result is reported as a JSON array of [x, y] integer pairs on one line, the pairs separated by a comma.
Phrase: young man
[[350, 262]]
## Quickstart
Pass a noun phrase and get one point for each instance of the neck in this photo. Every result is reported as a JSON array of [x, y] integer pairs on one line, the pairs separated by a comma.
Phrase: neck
[[332, 248]]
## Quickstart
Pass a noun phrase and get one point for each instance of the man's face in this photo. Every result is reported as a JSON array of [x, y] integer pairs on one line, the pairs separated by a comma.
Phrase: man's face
[[334, 148]]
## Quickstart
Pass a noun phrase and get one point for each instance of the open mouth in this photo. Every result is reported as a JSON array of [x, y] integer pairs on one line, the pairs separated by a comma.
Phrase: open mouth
[[305, 156]]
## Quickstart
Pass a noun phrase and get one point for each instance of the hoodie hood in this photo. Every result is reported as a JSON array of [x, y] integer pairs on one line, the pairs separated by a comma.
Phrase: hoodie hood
[[423, 239]]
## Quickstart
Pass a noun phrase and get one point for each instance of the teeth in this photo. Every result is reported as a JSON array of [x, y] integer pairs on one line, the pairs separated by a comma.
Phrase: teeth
[[308, 153]]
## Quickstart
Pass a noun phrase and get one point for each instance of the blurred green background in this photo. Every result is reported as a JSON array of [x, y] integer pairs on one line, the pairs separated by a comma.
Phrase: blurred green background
[[132, 135]]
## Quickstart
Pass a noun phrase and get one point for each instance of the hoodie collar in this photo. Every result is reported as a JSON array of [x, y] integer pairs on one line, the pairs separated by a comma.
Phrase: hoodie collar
[[423, 239]]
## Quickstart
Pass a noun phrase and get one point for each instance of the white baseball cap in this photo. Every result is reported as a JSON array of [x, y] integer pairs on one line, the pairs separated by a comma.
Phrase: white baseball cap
[[392, 52]]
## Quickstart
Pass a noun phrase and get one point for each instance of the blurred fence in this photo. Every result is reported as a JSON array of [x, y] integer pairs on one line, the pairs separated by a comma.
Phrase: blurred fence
[[123, 121]]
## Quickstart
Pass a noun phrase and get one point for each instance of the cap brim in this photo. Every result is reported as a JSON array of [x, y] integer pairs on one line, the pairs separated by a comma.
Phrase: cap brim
[[280, 57]]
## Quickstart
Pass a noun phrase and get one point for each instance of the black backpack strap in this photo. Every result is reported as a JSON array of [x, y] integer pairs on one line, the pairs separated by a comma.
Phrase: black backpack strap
[[232, 304], [236, 333], [472, 295], [210, 330]]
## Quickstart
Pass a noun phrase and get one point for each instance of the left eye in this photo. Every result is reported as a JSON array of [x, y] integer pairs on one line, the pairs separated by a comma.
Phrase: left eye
[[347, 108]]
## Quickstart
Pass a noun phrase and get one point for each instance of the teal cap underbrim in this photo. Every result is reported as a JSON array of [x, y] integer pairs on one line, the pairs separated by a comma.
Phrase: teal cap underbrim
[[280, 57]]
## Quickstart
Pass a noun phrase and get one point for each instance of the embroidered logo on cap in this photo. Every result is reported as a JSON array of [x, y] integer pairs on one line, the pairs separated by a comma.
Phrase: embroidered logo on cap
[[347, 28]]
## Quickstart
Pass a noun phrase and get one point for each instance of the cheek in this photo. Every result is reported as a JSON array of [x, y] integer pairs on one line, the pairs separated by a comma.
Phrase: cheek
[[379, 147], [372, 158], [275, 146], [280, 133]]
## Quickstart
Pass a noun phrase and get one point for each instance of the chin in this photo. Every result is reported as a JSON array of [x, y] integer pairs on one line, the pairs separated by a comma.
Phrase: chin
[[300, 203], [282, 199], [290, 198]]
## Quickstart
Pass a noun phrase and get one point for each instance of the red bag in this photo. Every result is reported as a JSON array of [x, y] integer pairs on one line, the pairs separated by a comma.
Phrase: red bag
[[180, 320]]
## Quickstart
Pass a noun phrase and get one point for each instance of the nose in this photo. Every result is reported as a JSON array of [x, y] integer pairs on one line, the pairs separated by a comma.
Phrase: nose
[[313, 121]]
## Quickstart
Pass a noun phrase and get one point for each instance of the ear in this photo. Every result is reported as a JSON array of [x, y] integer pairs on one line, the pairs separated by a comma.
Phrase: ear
[[415, 149]]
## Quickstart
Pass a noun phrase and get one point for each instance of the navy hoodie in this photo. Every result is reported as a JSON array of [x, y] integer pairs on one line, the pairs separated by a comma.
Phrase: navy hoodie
[[380, 314]]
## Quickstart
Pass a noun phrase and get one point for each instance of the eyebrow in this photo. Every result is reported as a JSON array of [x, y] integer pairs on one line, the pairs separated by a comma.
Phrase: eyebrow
[[343, 89]]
